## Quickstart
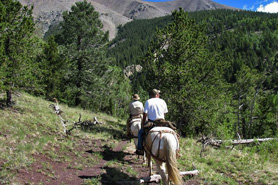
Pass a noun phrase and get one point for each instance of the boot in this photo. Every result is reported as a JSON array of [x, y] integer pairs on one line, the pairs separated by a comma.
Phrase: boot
[[128, 134], [139, 152]]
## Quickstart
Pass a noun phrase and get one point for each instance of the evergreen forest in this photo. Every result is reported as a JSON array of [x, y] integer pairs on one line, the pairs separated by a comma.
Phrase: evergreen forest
[[217, 69]]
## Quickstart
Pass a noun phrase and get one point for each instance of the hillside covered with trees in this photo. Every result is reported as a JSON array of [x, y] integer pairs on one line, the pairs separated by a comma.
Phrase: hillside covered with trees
[[237, 56], [217, 70], [71, 66]]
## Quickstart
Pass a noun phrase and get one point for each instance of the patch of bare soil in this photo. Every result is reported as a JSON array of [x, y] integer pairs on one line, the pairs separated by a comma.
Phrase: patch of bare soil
[[75, 169]]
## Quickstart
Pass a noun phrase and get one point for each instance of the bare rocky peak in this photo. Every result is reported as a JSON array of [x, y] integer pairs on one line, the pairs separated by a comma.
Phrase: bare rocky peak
[[189, 5], [48, 12], [134, 9], [115, 12]]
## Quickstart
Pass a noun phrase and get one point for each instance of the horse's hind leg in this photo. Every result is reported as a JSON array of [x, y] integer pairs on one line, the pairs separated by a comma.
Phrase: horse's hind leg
[[161, 170], [144, 158], [149, 163]]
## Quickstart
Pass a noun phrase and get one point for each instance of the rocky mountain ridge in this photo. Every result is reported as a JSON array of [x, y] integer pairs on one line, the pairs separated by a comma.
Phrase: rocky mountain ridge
[[115, 12]]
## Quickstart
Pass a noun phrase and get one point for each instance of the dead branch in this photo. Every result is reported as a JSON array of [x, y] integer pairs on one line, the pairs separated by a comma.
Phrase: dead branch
[[96, 121], [58, 111], [87, 124], [82, 124], [56, 107]]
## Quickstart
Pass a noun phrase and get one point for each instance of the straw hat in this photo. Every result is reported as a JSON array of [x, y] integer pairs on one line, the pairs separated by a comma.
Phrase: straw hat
[[135, 97]]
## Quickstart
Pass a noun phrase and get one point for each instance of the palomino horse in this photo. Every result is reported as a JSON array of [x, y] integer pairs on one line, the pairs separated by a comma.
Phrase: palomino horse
[[162, 145]]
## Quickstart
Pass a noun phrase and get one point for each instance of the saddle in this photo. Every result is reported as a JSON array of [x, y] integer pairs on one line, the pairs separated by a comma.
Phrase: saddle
[[158, 123], [131, 119]]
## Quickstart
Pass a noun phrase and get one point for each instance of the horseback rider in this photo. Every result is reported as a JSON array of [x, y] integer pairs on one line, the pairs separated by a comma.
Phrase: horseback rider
[[135, 110], [155, 108]]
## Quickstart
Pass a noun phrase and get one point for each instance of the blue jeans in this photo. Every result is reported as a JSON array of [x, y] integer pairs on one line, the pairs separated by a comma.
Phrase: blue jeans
[[140, 136], [140, 139]]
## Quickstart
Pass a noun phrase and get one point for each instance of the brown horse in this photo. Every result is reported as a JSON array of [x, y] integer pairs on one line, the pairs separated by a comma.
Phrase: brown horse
[[162, 145]]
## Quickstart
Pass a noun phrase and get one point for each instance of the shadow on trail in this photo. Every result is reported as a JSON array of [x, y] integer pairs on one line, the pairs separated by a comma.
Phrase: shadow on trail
[[108, 154], [112, 176]]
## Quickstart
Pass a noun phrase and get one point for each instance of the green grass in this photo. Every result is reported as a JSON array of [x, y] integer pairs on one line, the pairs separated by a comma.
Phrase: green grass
[[92, 181], [131, 171], [242, 165], [112, 163], [31, 127]]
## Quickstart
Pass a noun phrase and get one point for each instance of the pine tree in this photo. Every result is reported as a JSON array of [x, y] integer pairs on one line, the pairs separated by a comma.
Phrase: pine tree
[[52, 66], [16, 28], [84, 47], [189, 76], [90, 79], [246, 94]]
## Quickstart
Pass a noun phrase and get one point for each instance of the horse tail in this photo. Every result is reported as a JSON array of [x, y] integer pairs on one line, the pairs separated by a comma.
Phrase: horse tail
[[171, 160]]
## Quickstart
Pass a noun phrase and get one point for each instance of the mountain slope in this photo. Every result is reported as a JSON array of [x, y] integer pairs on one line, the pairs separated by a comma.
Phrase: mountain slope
[[34, 150], [115, 12], [251, 37], [189, 5], [47, 13]]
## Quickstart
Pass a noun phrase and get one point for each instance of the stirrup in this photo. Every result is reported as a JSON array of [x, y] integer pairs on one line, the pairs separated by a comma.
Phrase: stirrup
[[139, 152]]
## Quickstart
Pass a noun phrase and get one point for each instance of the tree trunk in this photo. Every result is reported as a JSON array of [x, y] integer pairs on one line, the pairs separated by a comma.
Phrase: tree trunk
[[9, 98], [252, 107], [277, 118], [237, 124], [244, 131], [79, 73]]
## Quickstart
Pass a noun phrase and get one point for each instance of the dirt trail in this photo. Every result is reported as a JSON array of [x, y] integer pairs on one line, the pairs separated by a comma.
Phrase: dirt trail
[[88, 162], [53, 170]]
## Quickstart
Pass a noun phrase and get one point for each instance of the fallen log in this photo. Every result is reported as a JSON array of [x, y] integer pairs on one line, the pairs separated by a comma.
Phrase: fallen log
[[247, 141], [156, 178], [217, 143]]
